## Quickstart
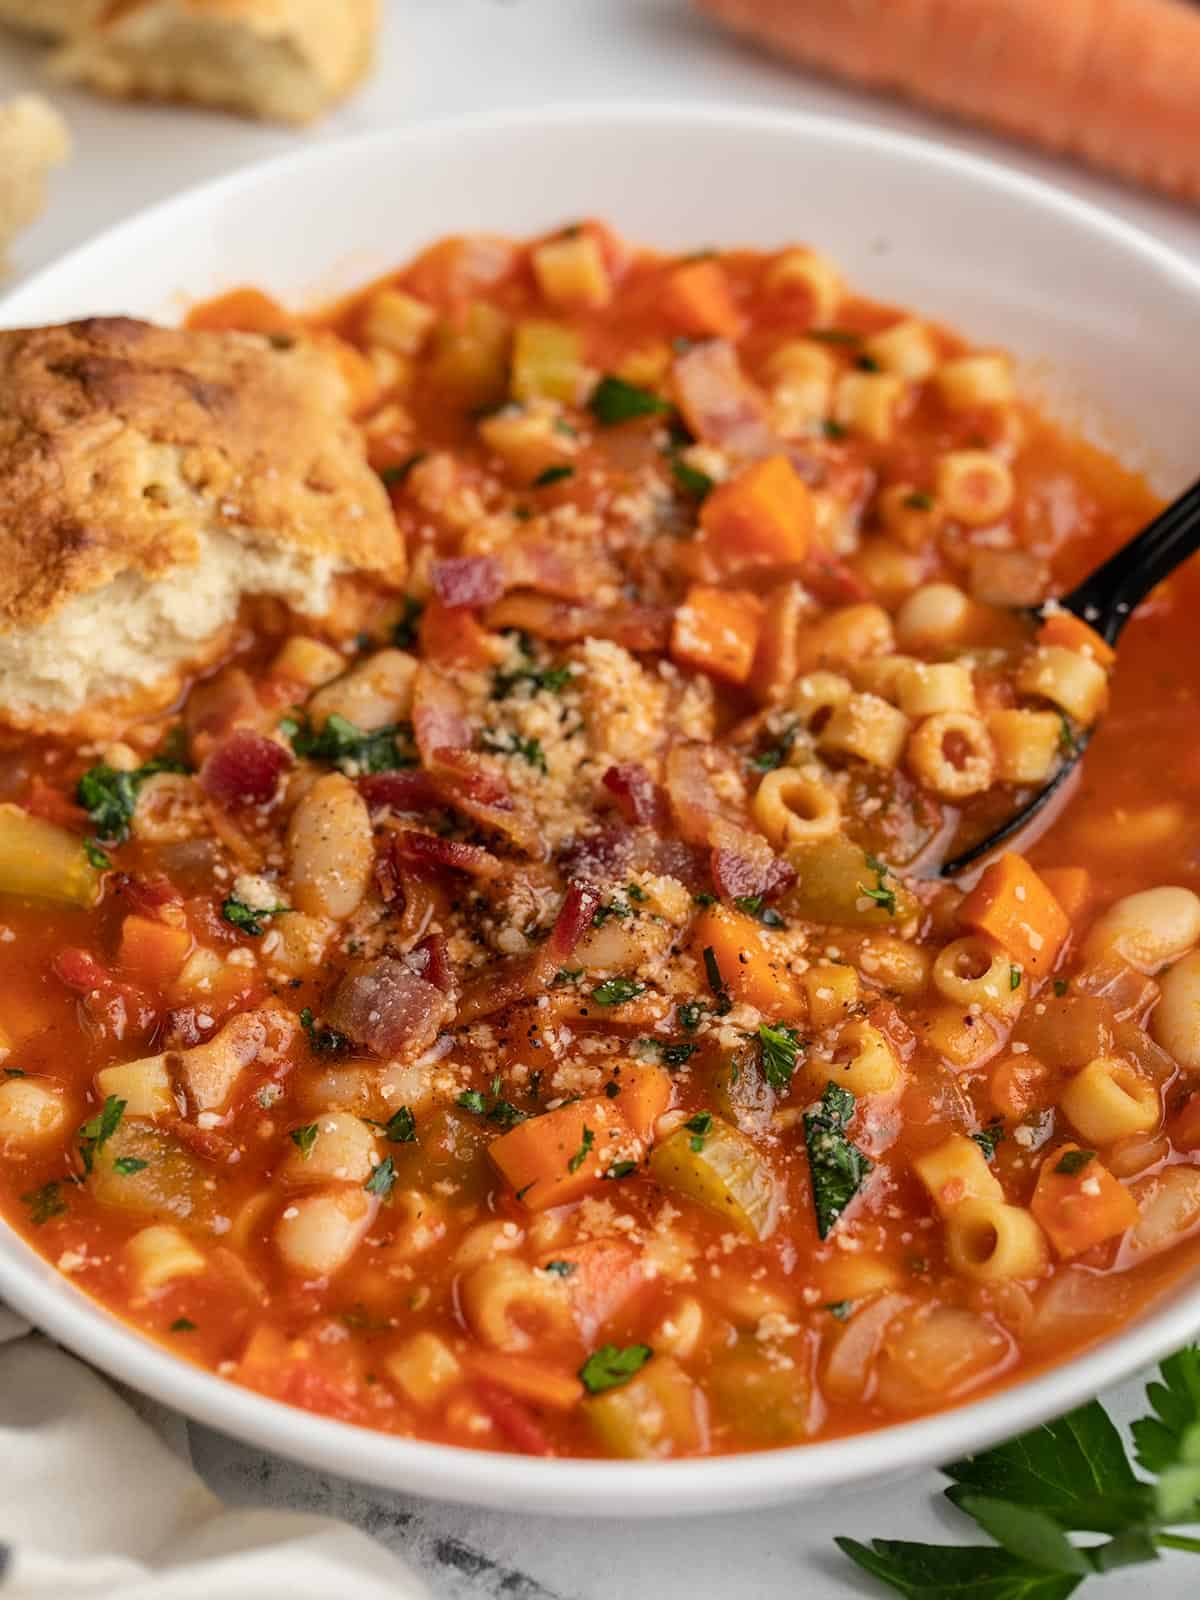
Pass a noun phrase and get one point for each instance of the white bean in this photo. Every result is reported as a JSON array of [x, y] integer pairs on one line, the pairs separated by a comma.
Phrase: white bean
[[372, 695], [318, 1233], [1146, 929], [330, 849], [1175, 1021], [342, 1148]]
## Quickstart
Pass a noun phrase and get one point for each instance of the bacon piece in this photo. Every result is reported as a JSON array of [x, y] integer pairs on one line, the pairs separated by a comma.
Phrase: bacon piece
[[430, 850], [110, 1008], [439, 720], [468, 581], [638, 797], [55, 805], [602, 856], [217, 706], [719, 403], [638, 628], [744, 864], [551, 569], [469, 787], [741, 860], [244, 769], [408, 789], [518, 978], [514, 1420], [829, 580], [156, 897], [389, 1009], [431, 961]]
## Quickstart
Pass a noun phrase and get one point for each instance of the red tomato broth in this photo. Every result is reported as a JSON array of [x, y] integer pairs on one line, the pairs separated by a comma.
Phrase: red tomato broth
[[763, 1334]]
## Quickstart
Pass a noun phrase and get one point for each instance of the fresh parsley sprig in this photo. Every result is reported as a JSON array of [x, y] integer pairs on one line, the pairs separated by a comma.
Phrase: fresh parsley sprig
[[109, 797], [351, 749], [1032, 1495]]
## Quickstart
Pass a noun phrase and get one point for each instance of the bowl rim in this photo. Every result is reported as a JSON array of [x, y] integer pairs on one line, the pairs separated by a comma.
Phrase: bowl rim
[[33, 1287]]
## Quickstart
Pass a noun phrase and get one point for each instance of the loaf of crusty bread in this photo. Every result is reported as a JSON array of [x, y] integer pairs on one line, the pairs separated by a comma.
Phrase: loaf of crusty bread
[[1116, 82], [33, 139], [152, 479], [283, 59]]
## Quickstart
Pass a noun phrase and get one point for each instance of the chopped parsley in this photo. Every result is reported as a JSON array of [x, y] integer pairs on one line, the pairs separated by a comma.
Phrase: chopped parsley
[[774, 755], [690, 1014], [382, 1179], [400, 1128], [98, 1130], [838, 1168], [581, 1155], [96, 856], [304, 1138], [245, 918], [512, 744], [128, 1165], [552, 679], [754, 906], [699, 1126], [866, 363], [779, 1047], [883, 897], [553, 475], [1068, 739], [44, 1203], [404, 632], [1061, 985], [620, 1169], [840, 1309], [110, 797], [1014, 977], [716, 982], [988, 1138], [1072, 1162], [560, 1269], [566, 975], [611, 908], [611, 1366], [690, 479], [918, 501], [340, 744], [502, 1112], [182, 1325], [833, 430], [614, 401], [325, 1041], [615, 991], [672, 1053]]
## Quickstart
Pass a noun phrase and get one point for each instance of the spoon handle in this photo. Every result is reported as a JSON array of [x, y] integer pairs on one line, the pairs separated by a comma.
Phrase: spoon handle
[[1107, 597]]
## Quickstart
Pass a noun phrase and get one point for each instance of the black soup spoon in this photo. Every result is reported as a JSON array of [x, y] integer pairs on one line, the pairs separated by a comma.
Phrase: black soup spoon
[[1105, 600]]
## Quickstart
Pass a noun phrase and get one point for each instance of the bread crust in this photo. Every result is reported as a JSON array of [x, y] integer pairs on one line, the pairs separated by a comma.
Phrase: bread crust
[[133, 460], [282, 59]]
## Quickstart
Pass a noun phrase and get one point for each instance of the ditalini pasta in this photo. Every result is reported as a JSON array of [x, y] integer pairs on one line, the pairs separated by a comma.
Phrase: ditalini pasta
[[520, 1010]]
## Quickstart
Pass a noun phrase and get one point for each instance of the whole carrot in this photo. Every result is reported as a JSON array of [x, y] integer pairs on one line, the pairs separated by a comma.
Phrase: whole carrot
[[1116, 82]]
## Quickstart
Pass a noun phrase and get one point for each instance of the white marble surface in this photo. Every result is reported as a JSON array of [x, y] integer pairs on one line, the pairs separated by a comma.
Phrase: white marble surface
[[440, 57]]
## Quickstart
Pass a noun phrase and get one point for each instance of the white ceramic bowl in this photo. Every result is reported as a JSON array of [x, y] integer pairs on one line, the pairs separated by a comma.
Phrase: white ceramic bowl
[[1103, 318]]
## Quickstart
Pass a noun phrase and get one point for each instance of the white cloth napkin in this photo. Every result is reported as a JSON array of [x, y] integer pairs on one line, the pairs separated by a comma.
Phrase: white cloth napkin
[[98, 1499]]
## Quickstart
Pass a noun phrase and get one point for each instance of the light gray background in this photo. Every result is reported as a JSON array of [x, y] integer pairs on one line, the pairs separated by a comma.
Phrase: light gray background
[[440, 57]]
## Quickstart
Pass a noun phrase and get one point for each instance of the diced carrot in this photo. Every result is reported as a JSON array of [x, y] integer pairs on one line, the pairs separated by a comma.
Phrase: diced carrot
[[1072, 633], [152, 952], [716, 630], [242, 311], [1185, 1130], [1012, 905], [747, 969], [697, 300], [645, 1093], [1080, 1209], [1018, 1085], [1071, 887], [534, 1381], [453, 636], [604, 1274], [763, 517], [560, 1155]]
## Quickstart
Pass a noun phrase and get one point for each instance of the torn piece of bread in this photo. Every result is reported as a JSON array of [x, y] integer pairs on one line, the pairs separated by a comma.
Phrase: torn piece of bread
[[282, 59], [51, 17], [33, 138], [150, 480]]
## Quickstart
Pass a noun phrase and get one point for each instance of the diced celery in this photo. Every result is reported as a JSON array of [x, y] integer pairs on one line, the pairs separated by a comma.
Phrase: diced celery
[[721, 1169], [470, 356], [141, 1169], [658, 1413], [546, 363], [44, 861], [837, 882], [769, 1403]]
